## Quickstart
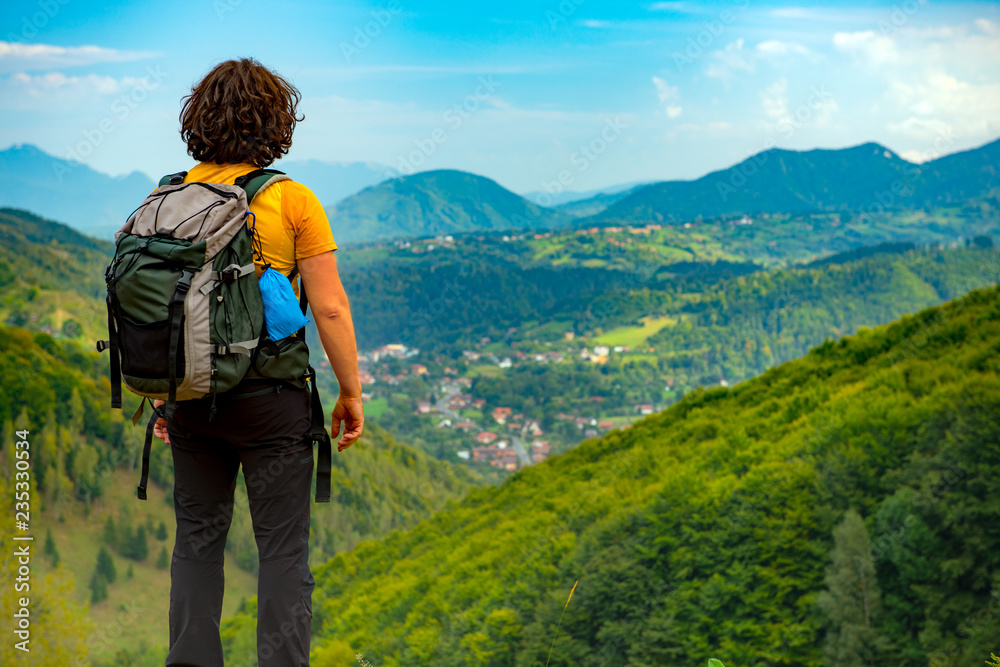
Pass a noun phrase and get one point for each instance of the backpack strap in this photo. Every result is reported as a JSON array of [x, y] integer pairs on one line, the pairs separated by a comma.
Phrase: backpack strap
[[158, 413], [112, 344], [319, 435], [317, 430], [252, 182], [173, 179], [258, 180], [176, 317]]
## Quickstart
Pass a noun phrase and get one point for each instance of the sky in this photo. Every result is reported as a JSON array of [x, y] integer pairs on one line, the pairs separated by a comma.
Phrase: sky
[[539, 96]]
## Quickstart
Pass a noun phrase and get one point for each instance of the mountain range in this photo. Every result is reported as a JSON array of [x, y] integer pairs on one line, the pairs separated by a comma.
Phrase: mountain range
[[98, 204], [865, 179]]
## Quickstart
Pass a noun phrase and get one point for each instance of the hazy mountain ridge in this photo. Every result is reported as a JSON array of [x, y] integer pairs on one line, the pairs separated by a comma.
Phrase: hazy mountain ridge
[[97, 204], [85, 199], [863, 179], [333, 181]]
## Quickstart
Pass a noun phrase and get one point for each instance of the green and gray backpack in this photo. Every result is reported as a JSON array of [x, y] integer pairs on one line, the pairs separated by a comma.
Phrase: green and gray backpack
[[185, 314]]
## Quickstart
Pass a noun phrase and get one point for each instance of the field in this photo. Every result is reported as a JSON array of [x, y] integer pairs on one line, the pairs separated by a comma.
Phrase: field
[[635, 335]]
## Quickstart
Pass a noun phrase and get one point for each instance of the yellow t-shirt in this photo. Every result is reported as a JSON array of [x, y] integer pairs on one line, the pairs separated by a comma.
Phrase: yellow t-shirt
[[291, 222]]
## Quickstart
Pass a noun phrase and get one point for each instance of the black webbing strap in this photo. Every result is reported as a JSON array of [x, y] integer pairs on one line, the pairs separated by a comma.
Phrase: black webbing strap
[[317, 432], [158, 413], [252, 182], [303, 301], [319, 435], [116, 364], [176, 317]]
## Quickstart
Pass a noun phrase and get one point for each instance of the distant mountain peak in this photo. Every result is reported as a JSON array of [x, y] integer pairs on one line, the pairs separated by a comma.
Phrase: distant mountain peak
[[438, 201]]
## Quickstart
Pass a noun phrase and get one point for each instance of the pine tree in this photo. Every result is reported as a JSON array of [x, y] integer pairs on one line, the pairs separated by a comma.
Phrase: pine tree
[[50, 548], [134, 545], [106, 565], [131, 572], [76, 412], [98, 588], [161, 531], [163, 561], [140, 545], [110, 532], [851, 600]]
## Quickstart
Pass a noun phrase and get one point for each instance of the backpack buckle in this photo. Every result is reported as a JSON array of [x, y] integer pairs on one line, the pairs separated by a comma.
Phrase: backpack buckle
[[231, 272], [183, 285]]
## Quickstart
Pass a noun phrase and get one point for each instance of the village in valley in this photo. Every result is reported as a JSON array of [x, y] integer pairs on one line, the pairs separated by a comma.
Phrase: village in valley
[[479, 433]]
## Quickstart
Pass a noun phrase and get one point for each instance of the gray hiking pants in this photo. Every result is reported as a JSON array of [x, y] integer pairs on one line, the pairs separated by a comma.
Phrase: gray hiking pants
[[261, 426]]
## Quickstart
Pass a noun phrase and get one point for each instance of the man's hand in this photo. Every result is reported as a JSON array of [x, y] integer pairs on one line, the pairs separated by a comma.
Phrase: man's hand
[[349, 411], [160, 427]]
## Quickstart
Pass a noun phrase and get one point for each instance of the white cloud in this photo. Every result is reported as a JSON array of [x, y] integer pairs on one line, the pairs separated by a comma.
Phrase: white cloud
[[987, 26], [939, 102], [15, 56], [776, 48], [670, 7], [668, 96], [936, 80], [868, 46], [774, 100], [730, 60], [57, 90]]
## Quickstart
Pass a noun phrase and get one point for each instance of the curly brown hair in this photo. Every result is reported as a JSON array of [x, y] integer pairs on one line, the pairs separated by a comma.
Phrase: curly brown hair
[[240, 112]]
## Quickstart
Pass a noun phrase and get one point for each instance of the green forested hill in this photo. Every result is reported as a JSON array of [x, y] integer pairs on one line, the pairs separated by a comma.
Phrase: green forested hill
[[51, 277], [724, 527], [866, 178], [727, 329], [80, 448], [436, 202]]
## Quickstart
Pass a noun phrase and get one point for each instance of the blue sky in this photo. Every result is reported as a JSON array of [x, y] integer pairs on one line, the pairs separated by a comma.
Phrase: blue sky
[[597, 92]]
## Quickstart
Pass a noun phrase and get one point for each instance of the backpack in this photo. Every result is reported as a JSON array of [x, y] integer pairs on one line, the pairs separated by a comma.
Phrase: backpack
[[185, 312]]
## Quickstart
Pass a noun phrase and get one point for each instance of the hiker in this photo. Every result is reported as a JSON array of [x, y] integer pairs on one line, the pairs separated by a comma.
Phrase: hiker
[[239, 119]]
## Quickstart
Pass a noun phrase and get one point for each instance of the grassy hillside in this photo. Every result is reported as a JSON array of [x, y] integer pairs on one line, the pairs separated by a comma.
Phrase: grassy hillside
[[51, 277], [722, 527]]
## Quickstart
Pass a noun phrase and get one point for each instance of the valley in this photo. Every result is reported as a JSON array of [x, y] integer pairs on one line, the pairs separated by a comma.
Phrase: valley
[[712, 386]]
